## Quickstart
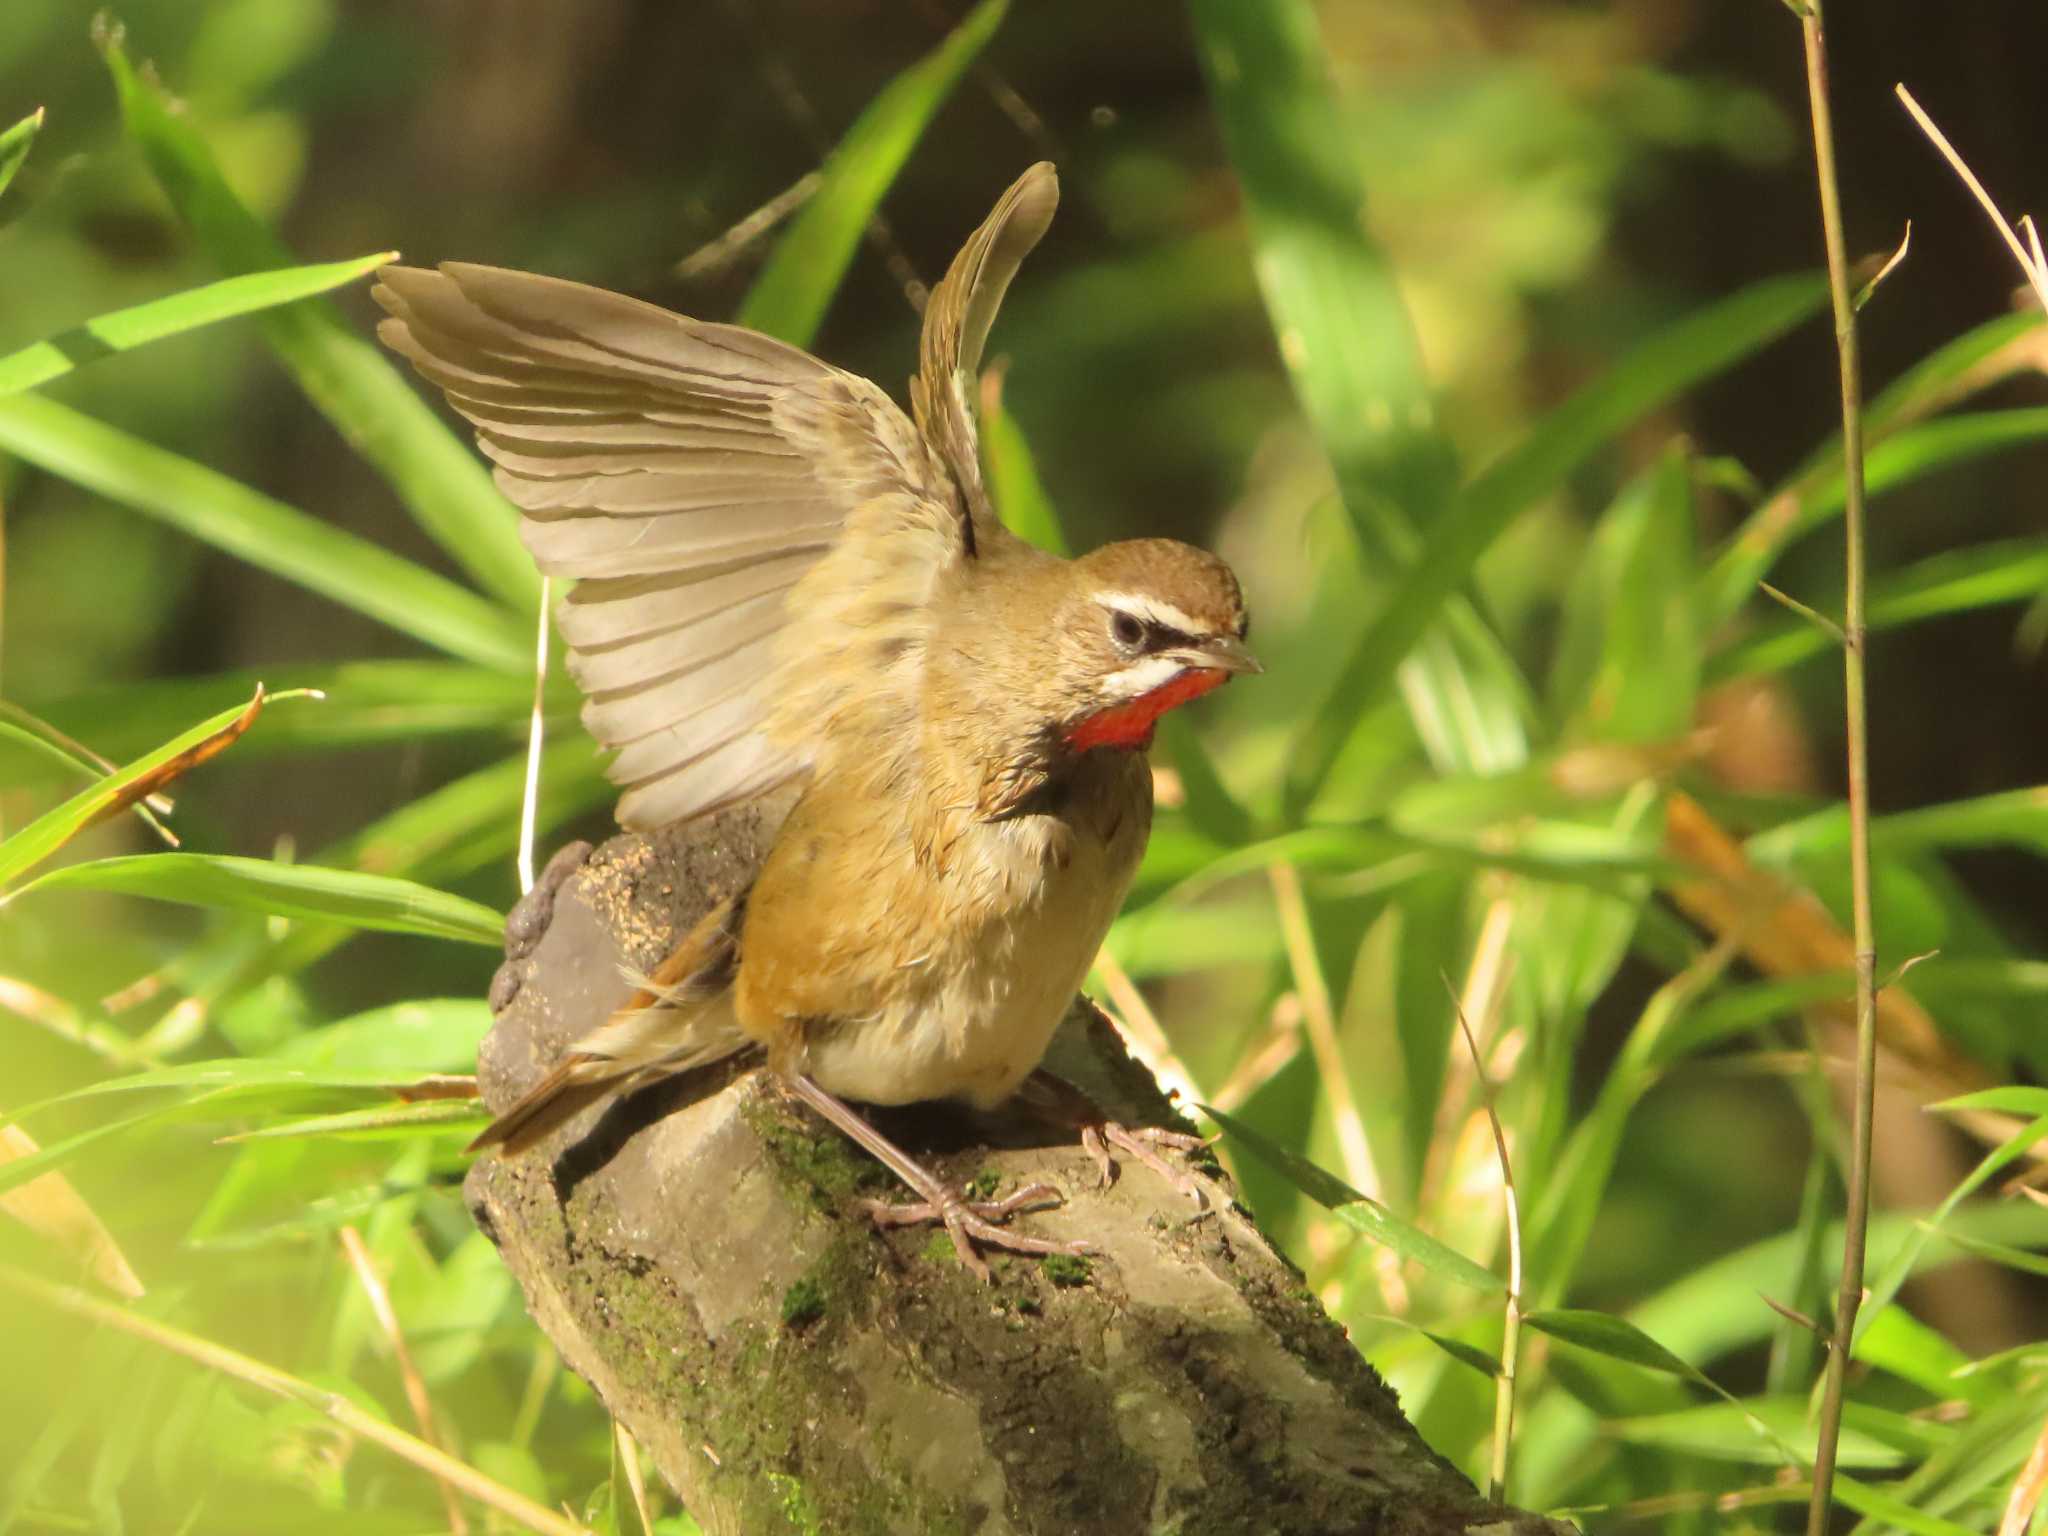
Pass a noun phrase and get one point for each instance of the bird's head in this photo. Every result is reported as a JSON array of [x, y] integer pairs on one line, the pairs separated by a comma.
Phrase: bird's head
[[1148, 625]]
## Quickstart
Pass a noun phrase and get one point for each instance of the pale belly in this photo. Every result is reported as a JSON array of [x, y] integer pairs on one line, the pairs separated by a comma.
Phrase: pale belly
[[974, 1023]]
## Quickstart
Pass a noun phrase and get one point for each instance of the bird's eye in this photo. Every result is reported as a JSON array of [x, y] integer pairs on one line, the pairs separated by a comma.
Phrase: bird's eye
[[1126, 630]]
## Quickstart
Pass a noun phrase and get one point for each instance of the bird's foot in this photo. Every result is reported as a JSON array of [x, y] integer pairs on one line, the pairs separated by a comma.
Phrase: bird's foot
[[969, 1222], [1143, 1146], [966, 1221], [1060, 1101]]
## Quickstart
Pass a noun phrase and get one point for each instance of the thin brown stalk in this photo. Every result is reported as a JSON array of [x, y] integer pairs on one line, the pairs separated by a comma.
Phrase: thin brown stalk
[[714, 254], [1141, 1027], [1264, 1057], [515, 1506], [2028, 254], [379, 1298], [1320, 1019], [628, 1452], [1863, 1099]]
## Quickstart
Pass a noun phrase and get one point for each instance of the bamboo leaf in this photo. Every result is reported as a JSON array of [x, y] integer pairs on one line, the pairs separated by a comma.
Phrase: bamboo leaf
[[1729, 1432], [419, 1037], [1347, 342], [1628, 662], [1615, 1337], [350, 381], [1953, 372], [1955, 581], [1343, 328], [305, 891], [281, 539], [141, 324], [112, 794], [15, 144], [1019, 494], [367, 703], [1678, 358], [1366, 1217], [790, 296]]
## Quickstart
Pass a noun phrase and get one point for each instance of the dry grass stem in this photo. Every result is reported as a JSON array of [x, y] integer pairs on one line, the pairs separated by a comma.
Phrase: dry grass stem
[[1511, 1326], [2027, 1488], [432, 1460], [1141, 1029], [1264, 1057], [628, 1452], [1321, 1021], [53, 1209], [2027, 254], [720, 252], [1856, 1217], [416, 1397]]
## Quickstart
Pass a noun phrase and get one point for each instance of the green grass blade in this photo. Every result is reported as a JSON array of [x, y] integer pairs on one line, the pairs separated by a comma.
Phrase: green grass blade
[[281, 539], [23, 742], [140, 324], [2009, 818], [1901, 458], [15, 144], [1953, 372], [263, 886], [1906, 1257], [1628, 661], [1955, 581], [1344, 331], [1694, 349], [54, 828], [348, 379], [1730, 1432], [382, 1122], [424, 1036], [790, 297], [1619, 1339], [1683, 355], [1367, 1217], [1019, 494], [368, 703], [1350, 350], [1893, 1513]]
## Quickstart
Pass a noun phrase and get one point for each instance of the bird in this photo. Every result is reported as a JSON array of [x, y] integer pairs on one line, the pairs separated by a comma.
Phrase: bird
[[780, 578]]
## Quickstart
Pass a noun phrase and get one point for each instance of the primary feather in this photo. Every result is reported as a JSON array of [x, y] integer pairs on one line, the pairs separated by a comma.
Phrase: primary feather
[[687, 476]]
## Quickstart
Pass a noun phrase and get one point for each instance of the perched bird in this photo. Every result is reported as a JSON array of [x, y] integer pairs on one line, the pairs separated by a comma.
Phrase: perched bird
[[779, 577]]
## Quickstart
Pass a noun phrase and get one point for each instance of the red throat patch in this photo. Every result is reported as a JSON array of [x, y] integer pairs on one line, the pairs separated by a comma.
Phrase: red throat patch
[[1131, 723]]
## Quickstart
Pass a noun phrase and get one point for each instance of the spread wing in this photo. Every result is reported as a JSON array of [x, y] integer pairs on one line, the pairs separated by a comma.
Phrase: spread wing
[[686, 476], [755, 536]]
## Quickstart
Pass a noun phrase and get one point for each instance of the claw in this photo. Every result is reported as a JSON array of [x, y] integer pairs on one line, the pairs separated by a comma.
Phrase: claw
[[1139, 1145], [970, 1221]]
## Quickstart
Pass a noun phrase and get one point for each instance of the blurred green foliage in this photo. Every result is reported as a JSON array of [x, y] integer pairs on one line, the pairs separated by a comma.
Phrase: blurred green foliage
[[1351, 306]]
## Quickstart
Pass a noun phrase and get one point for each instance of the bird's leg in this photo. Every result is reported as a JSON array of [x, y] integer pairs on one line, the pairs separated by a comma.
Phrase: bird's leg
[[966, 1221], [1061, 1102]]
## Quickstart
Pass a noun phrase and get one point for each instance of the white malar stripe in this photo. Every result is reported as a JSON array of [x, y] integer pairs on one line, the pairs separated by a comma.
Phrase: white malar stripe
[[1141, 677], [1151, 610]]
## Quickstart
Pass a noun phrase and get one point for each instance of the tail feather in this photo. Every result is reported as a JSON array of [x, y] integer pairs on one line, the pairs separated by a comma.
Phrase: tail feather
[[673, 1024], [563, 1093]]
